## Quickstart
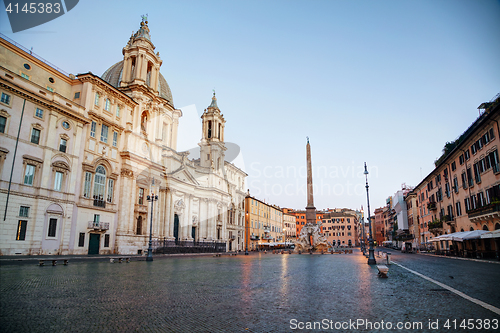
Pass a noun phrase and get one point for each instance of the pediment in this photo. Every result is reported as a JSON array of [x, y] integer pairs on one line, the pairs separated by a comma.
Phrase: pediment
[[184, 175]]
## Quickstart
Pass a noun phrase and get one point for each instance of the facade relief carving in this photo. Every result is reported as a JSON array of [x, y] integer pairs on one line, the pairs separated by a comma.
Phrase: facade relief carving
[[179, 207], [127, 173]]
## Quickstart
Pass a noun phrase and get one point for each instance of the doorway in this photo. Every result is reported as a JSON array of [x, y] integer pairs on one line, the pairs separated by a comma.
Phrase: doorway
[[176, 228], [94, 241]]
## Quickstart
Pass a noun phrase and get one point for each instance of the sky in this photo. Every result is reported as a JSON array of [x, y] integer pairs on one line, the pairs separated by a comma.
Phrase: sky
[[382, 82]]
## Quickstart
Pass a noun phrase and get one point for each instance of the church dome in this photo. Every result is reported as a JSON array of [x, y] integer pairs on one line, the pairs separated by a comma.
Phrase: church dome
[[113, 76]]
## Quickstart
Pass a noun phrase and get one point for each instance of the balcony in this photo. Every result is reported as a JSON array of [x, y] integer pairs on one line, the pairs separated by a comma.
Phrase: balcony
[[267, 237], [431, 206], [484, 213], [98, 225], [233, 237], [253, 237], [436, 224], [267, 229], [446, 218], [99, 203], [436, 231]]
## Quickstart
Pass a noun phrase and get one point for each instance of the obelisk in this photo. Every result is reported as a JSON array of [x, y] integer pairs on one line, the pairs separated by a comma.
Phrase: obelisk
[[310, 209]]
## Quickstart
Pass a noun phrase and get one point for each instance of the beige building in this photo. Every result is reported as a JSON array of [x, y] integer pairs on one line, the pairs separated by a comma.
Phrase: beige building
[[289, 225], [264, 224], [341, 228], [412, 213], [462, 192], [46, 148], [92, 149]]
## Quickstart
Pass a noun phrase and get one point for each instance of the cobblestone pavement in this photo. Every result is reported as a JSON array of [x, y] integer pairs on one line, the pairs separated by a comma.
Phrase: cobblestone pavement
[[256, 293]]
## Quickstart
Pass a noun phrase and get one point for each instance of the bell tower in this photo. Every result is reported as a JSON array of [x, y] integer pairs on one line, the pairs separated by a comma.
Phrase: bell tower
[[141, 66], [212, 141]]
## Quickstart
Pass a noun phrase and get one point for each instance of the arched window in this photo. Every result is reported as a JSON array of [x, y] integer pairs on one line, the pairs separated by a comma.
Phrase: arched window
[[107, 105], [231, 216], [148, 74], [218, 132], [99, 185], [132, 69], [485, 228], [497, 226], [102, 189], [209, 129]]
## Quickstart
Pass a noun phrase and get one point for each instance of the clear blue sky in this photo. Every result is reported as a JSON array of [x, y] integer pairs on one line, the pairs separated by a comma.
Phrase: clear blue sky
[[386, 82]]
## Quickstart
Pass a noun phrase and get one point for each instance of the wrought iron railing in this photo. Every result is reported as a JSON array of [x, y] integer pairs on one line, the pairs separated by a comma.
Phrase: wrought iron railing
[[488, 209], [99, 203], [98, 225], [176, 246]]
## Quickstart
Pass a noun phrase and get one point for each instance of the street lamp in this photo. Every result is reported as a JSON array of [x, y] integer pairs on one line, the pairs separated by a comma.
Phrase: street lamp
[[363, 244], [371, 256], [284, 230], [151, 198], [247, 236]]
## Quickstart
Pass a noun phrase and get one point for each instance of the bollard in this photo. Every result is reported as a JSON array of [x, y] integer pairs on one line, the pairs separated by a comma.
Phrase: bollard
[[388, 258]]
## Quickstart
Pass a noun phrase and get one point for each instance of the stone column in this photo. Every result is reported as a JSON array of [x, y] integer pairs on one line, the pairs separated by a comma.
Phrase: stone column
[[189, 221], [173, 133], [171, 216], [157, 213], [203, 218], [144, 67], [126, 69], [310, 209], [155, 77]]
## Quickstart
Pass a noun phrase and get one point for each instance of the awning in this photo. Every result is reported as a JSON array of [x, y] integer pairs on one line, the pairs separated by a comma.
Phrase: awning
[[441, 238], [491, 234], [460, 236], [476, 234]]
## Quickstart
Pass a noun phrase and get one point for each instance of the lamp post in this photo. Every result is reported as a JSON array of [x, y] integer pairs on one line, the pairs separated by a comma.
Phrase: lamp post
[[247, 236], [151, 198], [371, 255], [363, 246], [284, 230]]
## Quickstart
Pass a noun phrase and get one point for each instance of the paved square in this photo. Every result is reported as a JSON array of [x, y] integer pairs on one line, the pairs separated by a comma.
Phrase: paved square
[[256, 293]]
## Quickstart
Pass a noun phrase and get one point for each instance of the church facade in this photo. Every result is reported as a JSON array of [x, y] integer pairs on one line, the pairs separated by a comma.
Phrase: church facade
[[84, 170]]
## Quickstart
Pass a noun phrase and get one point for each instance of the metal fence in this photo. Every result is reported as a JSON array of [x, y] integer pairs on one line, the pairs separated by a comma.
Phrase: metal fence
[[165, 246]]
